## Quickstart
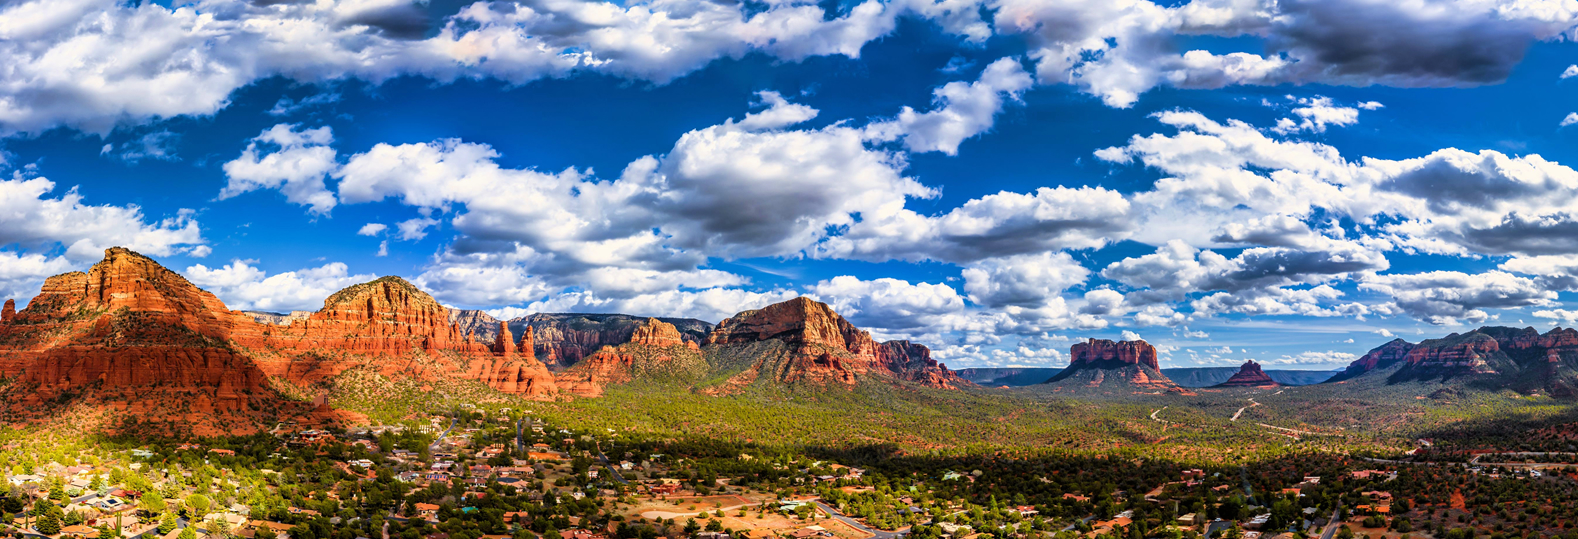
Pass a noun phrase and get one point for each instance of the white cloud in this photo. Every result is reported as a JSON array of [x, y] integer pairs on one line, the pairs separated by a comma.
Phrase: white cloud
[[158, 145], [1130, 336], [415, 229], [1571, 71], [372, 229], [1371, 105], [1314, 358], [1450, 297], [300, 160], [1571, 118], [1315, 113], [889, 304], [93, 64], [243, 286], [1558, 316], [32, 219], [1384, 333], [963, 110], [21, 274], [1023, 280]]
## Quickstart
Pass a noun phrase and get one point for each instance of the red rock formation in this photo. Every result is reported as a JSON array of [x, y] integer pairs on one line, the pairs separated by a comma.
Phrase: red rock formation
[[1101, 351], [658, 333], [913, 362], [1249, 375], [653, 348], [565, 339], [504, 342], [131, 331], [1099, 362], [8, 312], [1386, 355], [825, 347]]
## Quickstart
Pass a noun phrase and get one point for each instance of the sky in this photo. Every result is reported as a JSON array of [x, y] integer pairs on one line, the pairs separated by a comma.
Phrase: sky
[[1293, 182]]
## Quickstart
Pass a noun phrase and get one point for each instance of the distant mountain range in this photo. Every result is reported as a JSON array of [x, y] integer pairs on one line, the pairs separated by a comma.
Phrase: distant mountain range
[[1191, 377]]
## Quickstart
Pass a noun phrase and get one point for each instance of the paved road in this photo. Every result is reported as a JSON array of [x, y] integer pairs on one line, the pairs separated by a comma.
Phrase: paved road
[[875, 534], [440, 439], [617, 476], [1332, 525]]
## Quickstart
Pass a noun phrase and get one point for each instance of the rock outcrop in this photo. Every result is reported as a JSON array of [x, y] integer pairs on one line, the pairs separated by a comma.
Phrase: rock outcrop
[[818, 346], [1489, 357], [1125, 365], [1105, 353], [1382, 357], [1249, 375], [132, 332], [562, 340], [8, 312], [656, 352]]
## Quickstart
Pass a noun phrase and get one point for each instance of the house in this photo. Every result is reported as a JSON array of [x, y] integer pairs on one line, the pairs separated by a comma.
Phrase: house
[[1187, 520], [300, 511], [280, 529], [513, 516], [222, 452], [225, 522], [1195, 473], [79, 531], [1075, 497], [427, 510], [1026, 510]]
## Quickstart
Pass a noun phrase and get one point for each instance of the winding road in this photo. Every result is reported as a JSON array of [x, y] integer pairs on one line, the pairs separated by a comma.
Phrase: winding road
[[1240, 412], [875, 533]]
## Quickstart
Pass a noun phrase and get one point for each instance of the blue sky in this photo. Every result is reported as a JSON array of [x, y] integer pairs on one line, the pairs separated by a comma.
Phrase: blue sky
[[1288, 182]]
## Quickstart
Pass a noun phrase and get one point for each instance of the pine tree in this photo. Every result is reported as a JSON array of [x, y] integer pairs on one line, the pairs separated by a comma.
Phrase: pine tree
[[166, 523]]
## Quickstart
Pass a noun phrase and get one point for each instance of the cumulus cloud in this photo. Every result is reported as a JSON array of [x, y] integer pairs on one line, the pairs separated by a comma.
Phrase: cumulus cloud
[[1571, 71], [243, 286], [1451, 297], [1314, 358], [30, 217], [372, 229], [1315, 113], [86, 63], [889, 304], [296, 166], [963, 110], [1024, 280], [1571, 118], [21, 274], [1558, 316]]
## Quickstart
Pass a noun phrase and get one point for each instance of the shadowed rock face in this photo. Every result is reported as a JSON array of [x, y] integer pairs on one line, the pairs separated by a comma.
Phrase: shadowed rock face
[[825, 348], [1099, 352], [1133, 363], [1493, 357], [132, 332], [563, 340], [654, 348], [1249, 375]]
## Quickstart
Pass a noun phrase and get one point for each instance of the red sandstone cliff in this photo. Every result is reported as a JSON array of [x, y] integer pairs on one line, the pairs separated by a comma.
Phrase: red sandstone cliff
[[1249, 375], [656, 351], [130, 331], [565, 339], [823, 348], [1100, 362]]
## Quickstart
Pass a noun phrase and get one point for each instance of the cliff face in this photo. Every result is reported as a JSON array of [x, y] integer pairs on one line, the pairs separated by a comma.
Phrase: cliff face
[[1249, 375], [820, 347], [656, 352], [565, 339], [131, 333], [1381, 357], [1103, 363], [136, 337], [1491, 357], [1105, 353]]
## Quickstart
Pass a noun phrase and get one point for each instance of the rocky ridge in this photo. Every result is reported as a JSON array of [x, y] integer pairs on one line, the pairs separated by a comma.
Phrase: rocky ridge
[[1122, 364], [809, 343], [1249, 375], [1494, 357], [141, 338]]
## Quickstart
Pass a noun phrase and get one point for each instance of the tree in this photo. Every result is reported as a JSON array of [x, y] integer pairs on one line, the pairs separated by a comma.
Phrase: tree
[[199, 504], [189, 532], [48, 524], [153, 504], [166, 523]]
